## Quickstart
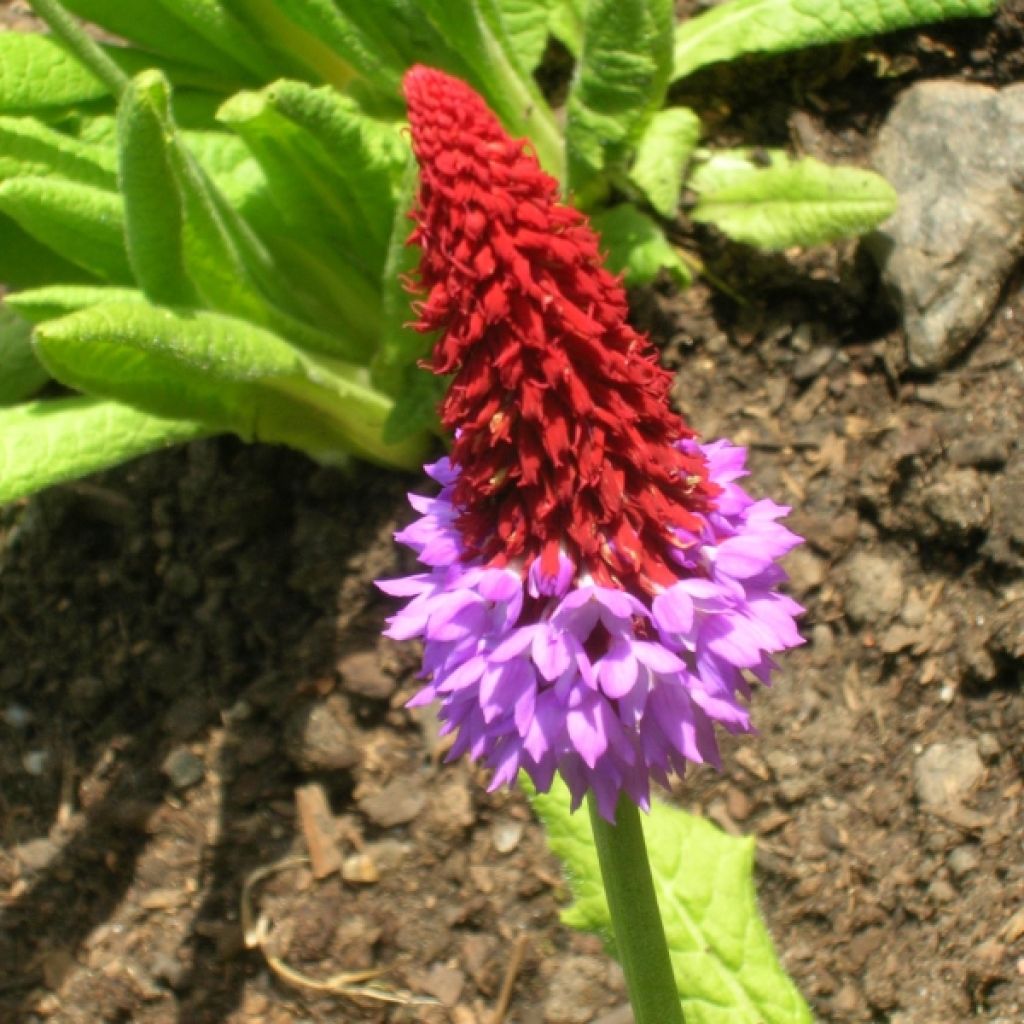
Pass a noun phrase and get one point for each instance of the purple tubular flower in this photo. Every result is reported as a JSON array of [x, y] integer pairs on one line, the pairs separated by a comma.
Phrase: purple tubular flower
[[551, 673]]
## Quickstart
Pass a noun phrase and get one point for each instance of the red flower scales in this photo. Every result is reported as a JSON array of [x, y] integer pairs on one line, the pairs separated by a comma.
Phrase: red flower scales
[[565, 441]]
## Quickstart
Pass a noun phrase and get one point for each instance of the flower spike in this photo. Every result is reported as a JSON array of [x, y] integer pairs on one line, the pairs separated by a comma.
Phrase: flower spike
[[596, 581]]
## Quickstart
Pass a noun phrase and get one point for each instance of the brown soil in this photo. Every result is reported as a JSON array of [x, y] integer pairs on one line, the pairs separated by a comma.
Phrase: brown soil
[[191, 640]]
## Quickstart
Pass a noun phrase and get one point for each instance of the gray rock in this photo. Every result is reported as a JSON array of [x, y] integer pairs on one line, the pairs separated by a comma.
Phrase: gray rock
[[874, 590], [36, 854], [576, 993], [1005, 541], [986, 451], [954, 152], [946, 772], [321, 736], [361, 674], [396, 804], [957, 505], [963, 860], [183, 768]]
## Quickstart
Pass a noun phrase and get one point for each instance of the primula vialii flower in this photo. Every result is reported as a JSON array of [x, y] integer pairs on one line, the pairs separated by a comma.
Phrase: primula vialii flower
[[596, 582]]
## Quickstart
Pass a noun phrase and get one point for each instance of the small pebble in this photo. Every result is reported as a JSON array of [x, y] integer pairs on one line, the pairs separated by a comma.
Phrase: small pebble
[[506, 835], [988, 746], [35, 761], [17, 717], [963, 860], [359, 867], [396, 804], [183, 768]]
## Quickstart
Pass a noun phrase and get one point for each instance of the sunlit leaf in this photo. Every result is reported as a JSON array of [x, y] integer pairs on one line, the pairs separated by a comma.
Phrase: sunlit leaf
[[636, 247]]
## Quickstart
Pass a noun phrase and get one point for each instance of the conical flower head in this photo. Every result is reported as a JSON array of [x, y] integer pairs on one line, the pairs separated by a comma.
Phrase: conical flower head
[[597, 589], [565, 440]]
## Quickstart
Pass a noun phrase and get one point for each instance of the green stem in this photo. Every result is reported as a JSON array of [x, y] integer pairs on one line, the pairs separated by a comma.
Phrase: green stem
[[636, 923], [86, 49]]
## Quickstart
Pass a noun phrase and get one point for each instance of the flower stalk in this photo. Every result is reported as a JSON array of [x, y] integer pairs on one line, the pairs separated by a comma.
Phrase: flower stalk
[[636, 921]]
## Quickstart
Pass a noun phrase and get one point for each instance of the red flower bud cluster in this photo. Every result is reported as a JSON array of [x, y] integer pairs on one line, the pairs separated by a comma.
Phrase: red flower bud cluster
[[564, 439]]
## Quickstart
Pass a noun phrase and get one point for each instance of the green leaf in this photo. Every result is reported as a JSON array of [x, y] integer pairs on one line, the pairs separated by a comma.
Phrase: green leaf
[[789, 202], [526, 25], [725, 967], [26, 263], [187, 244], [50, 301], [637, 248], [154, 27], [331, 169], [620, 81], [38, 72], [20, 372], [225, 373], [83, 224], [775, 26], [662, 154], [30, 148], [48, 442], [475, 31], [566, 23], [217, 24]]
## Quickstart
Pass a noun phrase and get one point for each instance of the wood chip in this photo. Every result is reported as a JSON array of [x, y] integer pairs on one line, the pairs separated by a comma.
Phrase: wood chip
[[317, 825]]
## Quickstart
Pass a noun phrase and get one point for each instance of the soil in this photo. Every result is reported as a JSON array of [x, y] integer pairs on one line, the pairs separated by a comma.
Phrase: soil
[[190, 652]]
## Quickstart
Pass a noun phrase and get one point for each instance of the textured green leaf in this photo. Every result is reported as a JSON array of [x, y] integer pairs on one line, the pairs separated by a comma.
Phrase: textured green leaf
[[215, 22], [154, 27], [637, 248], [474, 29], [566, 23], [83, 224], [789, 202], [326, 40], [20, 372], [775, 26], [330, 168], [188, 245], [223, 372], [37, 72], [662, 154], [526, 25], [50, 301], [26, 263], [621, 80], [722, 956], [30, 148], [48, 442]]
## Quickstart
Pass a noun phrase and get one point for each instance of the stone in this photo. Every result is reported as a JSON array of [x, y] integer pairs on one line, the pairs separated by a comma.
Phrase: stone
[[183, 768], [362, 675], [874, 591], [954, 152], [983, 451], [957, 506], [946, 772], [396, 804], [36, 854], [575, 993], [321, 736], [806, 570], [1005, 541], [962, 860]]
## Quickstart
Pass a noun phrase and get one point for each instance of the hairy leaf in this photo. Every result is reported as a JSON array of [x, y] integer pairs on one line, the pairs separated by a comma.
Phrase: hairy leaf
[[20, 373], [47, 442], [83, 224], [662, 154], [637, 248], [26, 262], [30, 148], [188, 245], [154, 27], [789, 202], [621, 80], [526, 25], [775, 26], [50, 301], [725, 967], [223, 372], [38, 72]]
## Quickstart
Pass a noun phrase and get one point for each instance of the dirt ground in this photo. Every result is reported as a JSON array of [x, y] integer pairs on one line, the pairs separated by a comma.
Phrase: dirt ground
[[189, 653]]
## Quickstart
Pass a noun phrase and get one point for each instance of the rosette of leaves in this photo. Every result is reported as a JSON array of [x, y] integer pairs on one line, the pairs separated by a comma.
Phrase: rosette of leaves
[[202, 223]]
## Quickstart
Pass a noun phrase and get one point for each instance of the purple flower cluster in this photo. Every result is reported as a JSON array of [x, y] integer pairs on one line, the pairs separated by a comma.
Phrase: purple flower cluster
[[550, 674]]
